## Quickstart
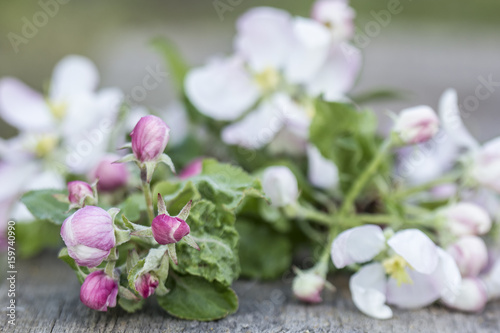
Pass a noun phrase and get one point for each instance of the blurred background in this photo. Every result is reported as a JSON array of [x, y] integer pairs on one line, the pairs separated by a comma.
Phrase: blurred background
[[425, 48]]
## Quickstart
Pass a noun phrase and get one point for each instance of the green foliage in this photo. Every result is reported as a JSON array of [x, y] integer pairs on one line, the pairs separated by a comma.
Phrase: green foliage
[[264, 253], [64, 256], [130, 306], [217, 192], [195, 298], [44, 206], [34, 236], [176, 64], [347, 137]]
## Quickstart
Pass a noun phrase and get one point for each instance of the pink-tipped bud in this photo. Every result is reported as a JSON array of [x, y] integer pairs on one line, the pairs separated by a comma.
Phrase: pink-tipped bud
[[280, 185], [471, 296], [79, 191], [89, 235], [99, 291], [192, 169], [465, 218], [307, 287], [111, 175], [169, 229], [470, 254], [417, 124], [149, 138], [146, 284]]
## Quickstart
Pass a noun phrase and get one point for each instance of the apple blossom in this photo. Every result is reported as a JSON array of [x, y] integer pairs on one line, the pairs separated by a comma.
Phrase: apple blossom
[[414, 273], [470, 254], [192, 169], [337, 16], [78, 191], [89, 235], [471, 296], [486, 165], [149, 138], [307, 287], [99, 291], [280, 185], [168, 229], [417, 124], [111, 175], [146, 284], [465, 218]]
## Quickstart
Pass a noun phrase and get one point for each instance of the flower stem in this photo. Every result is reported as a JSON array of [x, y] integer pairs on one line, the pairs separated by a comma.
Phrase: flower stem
[[146, 188], [450, 178], [360, 183]]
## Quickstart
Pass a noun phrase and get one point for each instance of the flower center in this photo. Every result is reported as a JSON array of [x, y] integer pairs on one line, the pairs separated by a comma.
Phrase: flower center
[[58, 110], [395, 267], [45, 145], [268, 79]]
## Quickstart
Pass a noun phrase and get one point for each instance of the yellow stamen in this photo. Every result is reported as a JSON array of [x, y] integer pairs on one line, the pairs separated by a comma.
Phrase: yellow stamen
[[268, 79], [396, 268], [58, 110], [45, 145]]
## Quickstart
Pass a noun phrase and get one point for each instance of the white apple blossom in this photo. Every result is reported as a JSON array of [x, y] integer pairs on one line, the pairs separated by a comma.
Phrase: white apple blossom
[[409, 270]]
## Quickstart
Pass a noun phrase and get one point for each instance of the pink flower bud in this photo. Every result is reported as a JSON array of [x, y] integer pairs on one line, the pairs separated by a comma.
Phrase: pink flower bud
[[471, 297], [89, 235], [470, 254], [111, 175], [280, 185], [79, 191], [146, 285], [192, 169], [417, 124], [149, 138], [169, 229], [307, 287], [486, 168], [465, 218], [99, 291]]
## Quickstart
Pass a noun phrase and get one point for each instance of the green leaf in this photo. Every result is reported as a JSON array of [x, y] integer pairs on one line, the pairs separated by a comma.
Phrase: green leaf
[[133, 206], [44, 206], [176, 64], [347, 137], [129, 305], [380, 95], [212, 228], [264, 253], [195, 298], [64, 256], [151, 263], [35, 236]]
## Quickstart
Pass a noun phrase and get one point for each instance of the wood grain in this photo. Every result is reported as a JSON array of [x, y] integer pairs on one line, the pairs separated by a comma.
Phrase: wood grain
[[48, 301]]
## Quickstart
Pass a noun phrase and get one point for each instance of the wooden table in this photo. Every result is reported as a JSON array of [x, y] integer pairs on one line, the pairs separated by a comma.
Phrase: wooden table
[[48, 301]]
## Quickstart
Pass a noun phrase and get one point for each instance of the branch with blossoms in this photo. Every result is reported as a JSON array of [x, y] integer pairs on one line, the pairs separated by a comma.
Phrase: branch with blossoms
[[411, 214]]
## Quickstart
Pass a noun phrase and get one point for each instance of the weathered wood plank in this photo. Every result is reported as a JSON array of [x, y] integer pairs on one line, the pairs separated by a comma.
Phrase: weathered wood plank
[[48, 301]]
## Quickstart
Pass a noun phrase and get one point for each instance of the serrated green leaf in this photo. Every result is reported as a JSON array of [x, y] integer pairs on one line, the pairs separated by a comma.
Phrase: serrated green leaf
[[44, 206], [212, 228], [264, 253], [133, 206], [195, 298]]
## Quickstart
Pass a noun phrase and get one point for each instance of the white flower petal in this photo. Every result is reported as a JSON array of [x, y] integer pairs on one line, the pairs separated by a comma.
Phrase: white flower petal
[[416, 248], [22, 107], [321, 172], [357, 245], [222, 89], [20, 213], [14, 178], [338, 74], [423, 290], [46, 180], [73, 75], [264, 38], [368, 287], [452, 121], [472, 296], [175, 116], [448, 274], [337, 15], [257, 129], [310, 50]]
